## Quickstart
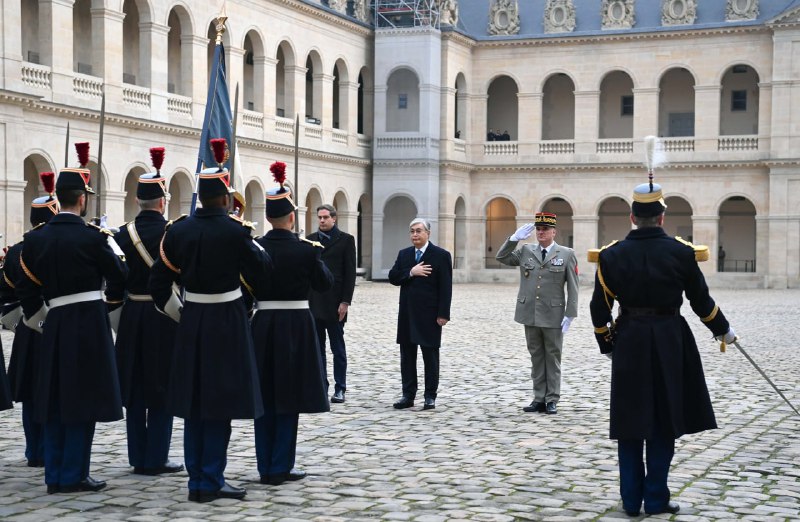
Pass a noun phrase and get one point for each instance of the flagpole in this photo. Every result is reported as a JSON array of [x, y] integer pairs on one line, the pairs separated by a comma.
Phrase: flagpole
[[66, 149], [100, 157], [296, 171]]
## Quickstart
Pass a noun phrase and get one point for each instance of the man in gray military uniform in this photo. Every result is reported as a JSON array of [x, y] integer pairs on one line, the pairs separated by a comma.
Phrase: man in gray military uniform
[[545, 268]]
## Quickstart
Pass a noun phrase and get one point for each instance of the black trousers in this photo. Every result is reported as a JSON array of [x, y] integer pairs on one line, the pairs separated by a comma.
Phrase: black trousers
[[408, 370]]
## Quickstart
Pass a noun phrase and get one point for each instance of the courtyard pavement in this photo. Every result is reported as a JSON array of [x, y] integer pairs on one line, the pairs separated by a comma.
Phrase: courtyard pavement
[[477, 456]]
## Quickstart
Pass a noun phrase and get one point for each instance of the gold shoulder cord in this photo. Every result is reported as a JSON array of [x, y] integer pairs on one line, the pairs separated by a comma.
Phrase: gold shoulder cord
[[28, 272], [8, 281], [606, 291], [164, 256], [247, 286]]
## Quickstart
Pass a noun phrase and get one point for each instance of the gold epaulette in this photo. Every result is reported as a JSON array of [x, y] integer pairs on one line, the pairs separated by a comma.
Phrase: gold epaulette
[[38, 226], [315, 243], [594, 253], [101, 229], [248, 224], [171, 221], [700, 251]]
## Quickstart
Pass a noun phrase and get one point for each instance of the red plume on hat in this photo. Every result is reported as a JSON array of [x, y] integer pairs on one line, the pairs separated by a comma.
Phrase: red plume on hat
[[220, 149], [278, 170], [83, 153], [157, 158], [48, 182]]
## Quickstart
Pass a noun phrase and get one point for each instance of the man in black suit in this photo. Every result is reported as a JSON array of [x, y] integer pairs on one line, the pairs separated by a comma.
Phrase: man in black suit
[[424, 273], [330, 307]]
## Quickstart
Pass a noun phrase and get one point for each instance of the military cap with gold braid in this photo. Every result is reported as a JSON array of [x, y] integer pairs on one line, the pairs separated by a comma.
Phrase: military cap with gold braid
[[77, 178], [45, 207], [544, 219], [279, 200]]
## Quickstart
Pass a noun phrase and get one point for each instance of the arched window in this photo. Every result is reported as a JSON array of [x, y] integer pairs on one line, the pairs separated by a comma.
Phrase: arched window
[[501, 222], [614, 221], [29, 22], [397, 214], [738, 113], [676, 103], [502, 110], [82, 37], [402, 101], [558, 108], [563, 211], [616, 106], [737, 235]]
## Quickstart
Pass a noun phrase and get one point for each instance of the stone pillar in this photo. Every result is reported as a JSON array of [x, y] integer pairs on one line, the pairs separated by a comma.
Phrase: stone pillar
[[529, 126], [447, 223], [706, 117], [10, 25], [465, 102], [645, 118], [479, 118], [155, 36], [297, 93], [235, 70], [114, 205], [194, 71], [348, 107], [764, 112], [323, 99], [268, 79], [347, 221], [107, 46], [56, 34], [584, 233], [13, 206], [476, 234], [587, 124], [705, 231]]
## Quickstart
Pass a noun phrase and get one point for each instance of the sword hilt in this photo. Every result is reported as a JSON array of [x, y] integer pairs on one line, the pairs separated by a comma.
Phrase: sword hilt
[[723, 346]]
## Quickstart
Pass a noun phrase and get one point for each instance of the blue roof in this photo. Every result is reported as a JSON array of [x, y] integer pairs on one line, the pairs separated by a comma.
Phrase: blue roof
[[474, 18]]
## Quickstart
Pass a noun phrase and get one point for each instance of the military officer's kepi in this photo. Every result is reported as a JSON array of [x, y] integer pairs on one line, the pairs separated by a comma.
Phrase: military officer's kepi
[[215, 181], [153, 185], [279, 200], [544, 219], [45, 207], [77, 178]]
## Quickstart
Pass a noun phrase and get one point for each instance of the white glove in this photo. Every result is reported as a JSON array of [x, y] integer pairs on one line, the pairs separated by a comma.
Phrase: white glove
[[608, 355], [565, 322], [728, 337], [523, 232]]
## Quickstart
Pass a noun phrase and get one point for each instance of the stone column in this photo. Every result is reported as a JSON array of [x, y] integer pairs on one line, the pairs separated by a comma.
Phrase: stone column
[[584, 233], [447, 224], [268, 79], [705, 231], [107, 46], [348, 107], [297, 95], [235, 70], [194, 71], [529, 126], [56, 34], [764, 112], [587, 114], [155, 37], [10, 25], [478, 118], [706, 117], [114, 205], [645, 118], [347, 221], [476, 239]]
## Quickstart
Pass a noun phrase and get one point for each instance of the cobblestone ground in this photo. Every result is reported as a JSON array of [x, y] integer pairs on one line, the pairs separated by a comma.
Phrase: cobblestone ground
[[477, 456]]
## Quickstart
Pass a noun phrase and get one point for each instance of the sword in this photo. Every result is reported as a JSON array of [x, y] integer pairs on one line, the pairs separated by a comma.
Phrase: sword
[[100, 157], [66, 149], [764, 375], [296, 171]]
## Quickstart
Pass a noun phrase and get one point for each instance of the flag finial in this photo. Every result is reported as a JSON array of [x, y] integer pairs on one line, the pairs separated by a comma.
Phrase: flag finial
[[221, 19]]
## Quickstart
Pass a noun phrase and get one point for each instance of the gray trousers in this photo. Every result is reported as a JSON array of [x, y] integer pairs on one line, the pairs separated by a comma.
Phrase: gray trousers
[[544, 345]]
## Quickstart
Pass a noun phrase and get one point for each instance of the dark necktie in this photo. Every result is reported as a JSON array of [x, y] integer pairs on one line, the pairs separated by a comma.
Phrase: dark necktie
[[418, 256], [544, 254]]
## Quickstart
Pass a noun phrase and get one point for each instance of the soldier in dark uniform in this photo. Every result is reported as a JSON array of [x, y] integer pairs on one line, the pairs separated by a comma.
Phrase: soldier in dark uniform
[[213, 377], [65, 263], [145, 337], [25, 351], [289, 359], [658, 390]]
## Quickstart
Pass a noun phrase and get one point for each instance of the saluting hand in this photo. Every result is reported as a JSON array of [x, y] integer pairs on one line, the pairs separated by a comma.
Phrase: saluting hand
[[421, 270]]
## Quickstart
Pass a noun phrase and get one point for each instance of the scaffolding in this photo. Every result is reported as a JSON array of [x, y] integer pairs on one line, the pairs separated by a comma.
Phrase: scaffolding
[[406, 13]]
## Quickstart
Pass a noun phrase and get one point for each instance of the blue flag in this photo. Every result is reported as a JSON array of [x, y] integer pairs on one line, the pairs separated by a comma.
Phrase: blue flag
[[217, 122]]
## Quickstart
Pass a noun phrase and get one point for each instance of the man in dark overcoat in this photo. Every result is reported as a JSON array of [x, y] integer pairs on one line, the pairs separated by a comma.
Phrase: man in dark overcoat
[[658, 389], [289, 359], [146, 337], [213, 377], [330, 308], [424, 273], [25, 352], [65, 264]]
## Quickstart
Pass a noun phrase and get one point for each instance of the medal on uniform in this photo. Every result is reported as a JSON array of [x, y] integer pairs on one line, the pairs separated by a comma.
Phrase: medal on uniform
[[557, 262]]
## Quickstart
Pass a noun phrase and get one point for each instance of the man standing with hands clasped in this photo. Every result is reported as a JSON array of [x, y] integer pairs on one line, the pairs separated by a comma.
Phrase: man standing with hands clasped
[[545, 268]]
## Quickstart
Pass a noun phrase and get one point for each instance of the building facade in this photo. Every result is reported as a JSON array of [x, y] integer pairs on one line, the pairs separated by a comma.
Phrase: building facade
[[472, 114]]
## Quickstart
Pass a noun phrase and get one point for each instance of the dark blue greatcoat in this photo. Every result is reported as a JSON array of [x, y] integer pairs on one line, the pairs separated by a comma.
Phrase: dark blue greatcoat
[[68, 256], [657, 381], [422, 299], [287, 349], [25, 351], [146, 337], [213, 374]]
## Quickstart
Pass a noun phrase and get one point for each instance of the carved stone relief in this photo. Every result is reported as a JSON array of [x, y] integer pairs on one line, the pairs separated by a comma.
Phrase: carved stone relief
[[448, 12], [559, 16], [338, 5], [504, 17], [741, 10], [618, 14], [678, 12], [360, 10]]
